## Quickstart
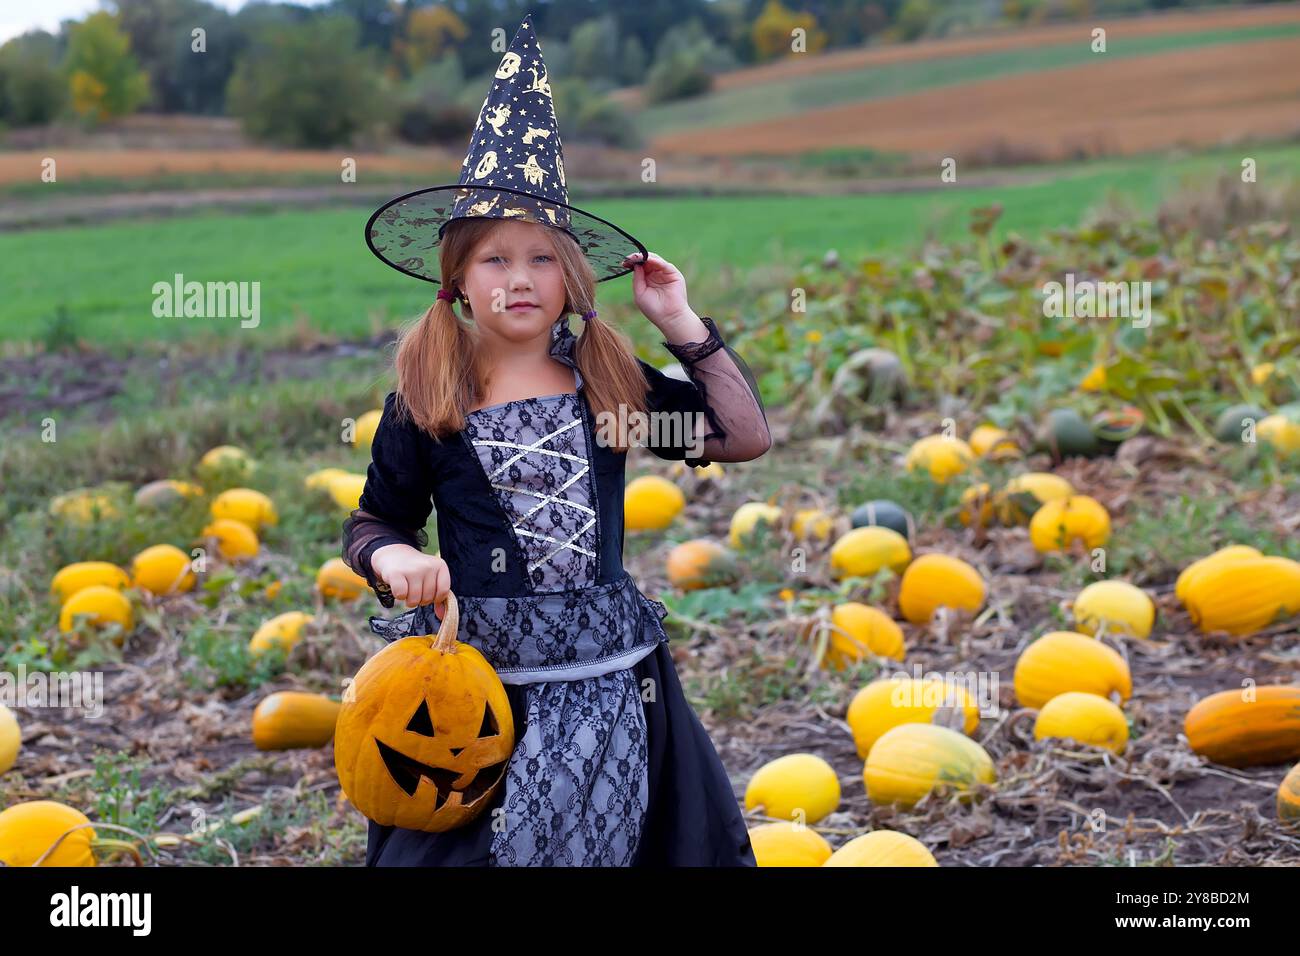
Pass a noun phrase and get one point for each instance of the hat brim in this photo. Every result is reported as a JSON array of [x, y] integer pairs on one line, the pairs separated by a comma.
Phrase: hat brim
[[405, 232]]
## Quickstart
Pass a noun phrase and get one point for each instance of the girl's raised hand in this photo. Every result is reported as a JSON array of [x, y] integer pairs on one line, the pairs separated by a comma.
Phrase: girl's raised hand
[[413, 576], [658, 288]]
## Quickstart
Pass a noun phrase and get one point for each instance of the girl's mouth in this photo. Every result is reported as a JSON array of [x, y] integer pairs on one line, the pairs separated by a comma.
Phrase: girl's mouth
[[521, 308]]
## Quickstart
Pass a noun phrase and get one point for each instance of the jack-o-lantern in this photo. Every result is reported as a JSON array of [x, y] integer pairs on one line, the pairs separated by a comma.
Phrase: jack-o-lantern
[[425, 732]]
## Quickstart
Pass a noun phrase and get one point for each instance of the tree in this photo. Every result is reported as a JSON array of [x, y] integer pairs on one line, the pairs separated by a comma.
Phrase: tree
[[32, 89], [594, 49], [774, 31], [308, 85], [184, 80], [103, 76], [429, 33]]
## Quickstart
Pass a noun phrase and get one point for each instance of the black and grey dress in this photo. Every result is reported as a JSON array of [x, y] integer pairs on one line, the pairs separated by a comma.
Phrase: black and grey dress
[[611, 766]]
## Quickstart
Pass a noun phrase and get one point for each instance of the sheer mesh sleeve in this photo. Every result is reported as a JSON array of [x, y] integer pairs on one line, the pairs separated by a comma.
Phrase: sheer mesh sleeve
[[396, 501], [738, 429]]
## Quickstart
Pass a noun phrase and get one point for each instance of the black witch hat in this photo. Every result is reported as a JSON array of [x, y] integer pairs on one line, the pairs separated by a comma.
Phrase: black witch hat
[[514, 169]]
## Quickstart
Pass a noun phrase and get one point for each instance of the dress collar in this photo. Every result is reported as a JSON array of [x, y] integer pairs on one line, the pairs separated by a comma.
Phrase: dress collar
[[563, 344]]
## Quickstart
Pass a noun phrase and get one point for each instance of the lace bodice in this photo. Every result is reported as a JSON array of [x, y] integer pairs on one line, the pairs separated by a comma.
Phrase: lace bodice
[[534, 452]]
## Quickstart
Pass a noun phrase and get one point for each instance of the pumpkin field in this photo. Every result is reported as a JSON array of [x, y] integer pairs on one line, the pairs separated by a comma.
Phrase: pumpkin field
[[1010, 588]]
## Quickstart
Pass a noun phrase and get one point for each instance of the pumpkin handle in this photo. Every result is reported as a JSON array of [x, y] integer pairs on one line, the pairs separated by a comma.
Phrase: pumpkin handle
[[446, 639]]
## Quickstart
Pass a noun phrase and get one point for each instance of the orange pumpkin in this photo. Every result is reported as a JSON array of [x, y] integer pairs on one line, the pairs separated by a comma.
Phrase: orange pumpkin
[[1288, 799], [425, 732], [1238, 728]]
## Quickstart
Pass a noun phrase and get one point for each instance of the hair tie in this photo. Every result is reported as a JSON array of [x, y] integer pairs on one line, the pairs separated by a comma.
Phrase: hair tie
[[445, 294], [589, 315]]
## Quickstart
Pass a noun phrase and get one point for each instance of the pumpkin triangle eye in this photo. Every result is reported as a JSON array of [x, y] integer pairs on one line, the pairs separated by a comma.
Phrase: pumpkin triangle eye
[[490, 727], [421, 722]]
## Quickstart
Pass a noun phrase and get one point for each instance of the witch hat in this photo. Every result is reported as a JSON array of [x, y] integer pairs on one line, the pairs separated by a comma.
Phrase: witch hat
[[514, 169]]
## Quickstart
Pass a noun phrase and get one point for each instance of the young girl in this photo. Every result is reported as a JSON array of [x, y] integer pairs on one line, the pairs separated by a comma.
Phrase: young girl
[[497, 424]]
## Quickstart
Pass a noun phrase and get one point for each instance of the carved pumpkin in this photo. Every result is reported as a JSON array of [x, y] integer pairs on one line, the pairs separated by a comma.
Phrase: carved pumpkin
[[1240, 728], [425, 732]]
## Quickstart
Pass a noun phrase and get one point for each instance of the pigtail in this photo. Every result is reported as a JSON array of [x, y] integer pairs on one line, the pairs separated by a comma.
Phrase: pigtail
[[608, 366], [437, 371]]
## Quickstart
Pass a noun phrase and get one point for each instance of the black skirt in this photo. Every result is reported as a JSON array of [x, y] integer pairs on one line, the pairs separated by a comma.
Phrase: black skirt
[[693, 817]]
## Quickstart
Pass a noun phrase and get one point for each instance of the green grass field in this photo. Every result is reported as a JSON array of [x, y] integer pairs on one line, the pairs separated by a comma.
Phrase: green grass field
[[765, 101], [313, 266]]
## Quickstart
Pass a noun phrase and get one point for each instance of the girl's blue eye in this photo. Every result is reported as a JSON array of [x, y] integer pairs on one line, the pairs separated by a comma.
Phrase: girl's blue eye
[[495, 258]]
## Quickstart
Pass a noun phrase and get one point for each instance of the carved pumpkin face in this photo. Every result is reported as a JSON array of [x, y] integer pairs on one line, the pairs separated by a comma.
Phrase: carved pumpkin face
[[424, 733]]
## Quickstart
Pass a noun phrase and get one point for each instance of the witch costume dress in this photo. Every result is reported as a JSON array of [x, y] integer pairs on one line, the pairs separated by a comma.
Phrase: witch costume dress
[[611, 765]]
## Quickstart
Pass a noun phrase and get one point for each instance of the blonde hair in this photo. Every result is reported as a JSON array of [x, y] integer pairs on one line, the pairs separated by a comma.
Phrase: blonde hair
[[440, 374]]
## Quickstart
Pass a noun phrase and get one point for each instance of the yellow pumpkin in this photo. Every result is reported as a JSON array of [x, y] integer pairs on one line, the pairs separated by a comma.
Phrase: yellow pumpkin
[[1280, 432], [976, 506], [1247, 727], [1095, 380], [283, 630], [942, 456], [650, 503], [700, 563], [888, 703], [245, 506], [28, 830], [882, 848], [236, 541], [11, 739], [933, 581], [320, 479], [335, 579], [100, 605], [291, 719], [346, 489], [364, 432], [1261, 373], [713, 471], [84, 506], [226, 460], [1244, 596], [1084, 718], [1190, 574], [911, 760], [1025, 494], [425, 732], [857, 630], [162, 569], [165, 493], [745, 521], [1288, 799], [801, 787], [73, 577], [1059, 523], [788, 844], [864, 551], [989, 441], [1118, 606], [1062, 661], [812, 523]]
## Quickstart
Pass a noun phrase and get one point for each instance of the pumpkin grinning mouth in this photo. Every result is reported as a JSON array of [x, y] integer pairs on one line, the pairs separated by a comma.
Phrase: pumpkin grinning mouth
[[406, 773]]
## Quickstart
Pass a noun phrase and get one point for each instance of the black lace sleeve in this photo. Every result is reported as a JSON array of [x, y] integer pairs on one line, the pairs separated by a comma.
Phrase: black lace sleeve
[[397, 499], [729, 395]]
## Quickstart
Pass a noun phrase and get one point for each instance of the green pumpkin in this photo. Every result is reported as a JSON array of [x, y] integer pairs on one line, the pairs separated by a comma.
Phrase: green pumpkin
[[883, 513], [1066, 433]]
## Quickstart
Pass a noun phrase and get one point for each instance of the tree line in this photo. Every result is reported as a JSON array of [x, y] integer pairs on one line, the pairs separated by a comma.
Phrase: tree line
[[319, 76]]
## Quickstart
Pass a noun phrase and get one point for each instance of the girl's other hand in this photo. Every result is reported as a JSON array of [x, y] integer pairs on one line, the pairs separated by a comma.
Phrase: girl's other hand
[[658, 288], [413, 576]]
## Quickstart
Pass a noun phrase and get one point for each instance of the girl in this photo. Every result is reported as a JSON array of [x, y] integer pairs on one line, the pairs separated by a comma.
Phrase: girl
[[494, 423]]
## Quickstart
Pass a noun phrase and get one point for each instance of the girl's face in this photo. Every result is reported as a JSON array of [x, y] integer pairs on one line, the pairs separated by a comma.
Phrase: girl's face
[[516, 265]]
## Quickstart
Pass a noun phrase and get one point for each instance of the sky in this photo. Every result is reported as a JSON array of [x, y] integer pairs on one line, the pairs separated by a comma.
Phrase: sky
[[19, 16]]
